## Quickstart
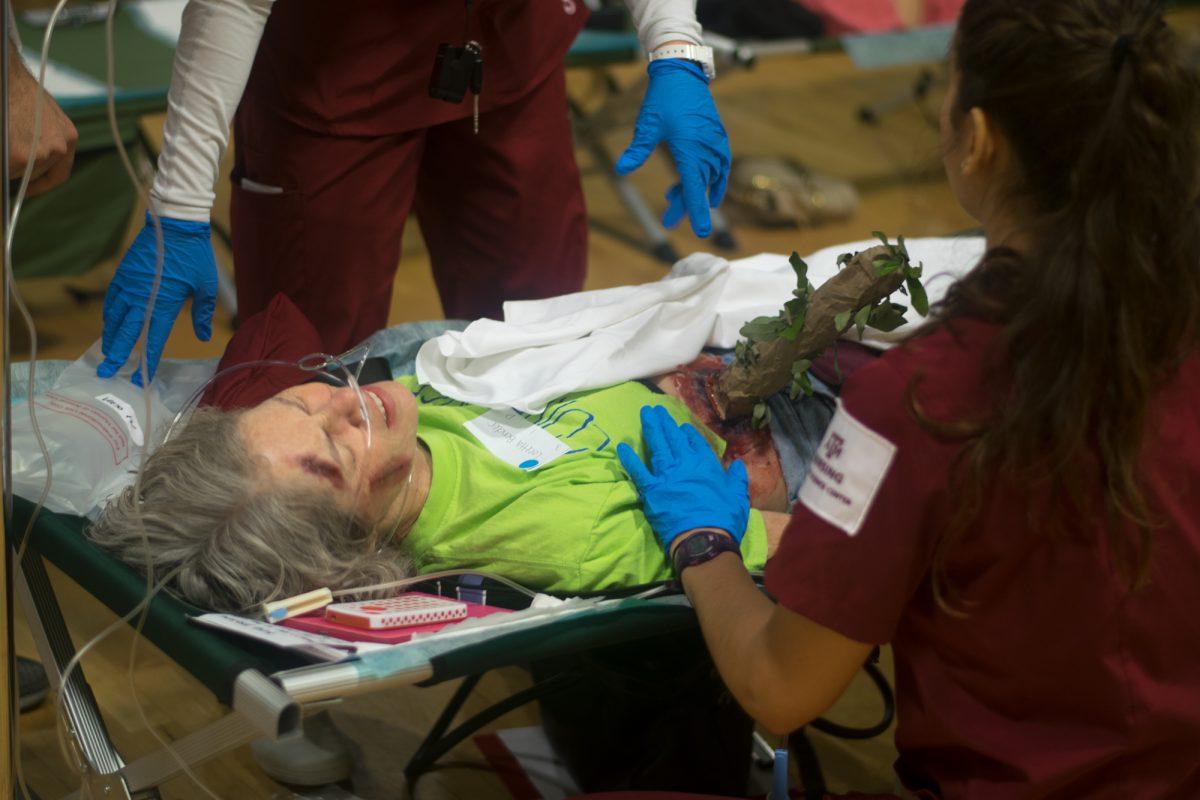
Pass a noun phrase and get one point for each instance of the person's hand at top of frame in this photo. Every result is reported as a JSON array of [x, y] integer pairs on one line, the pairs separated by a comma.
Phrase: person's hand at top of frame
[[55, 152], [678, 110], [685, 487], [189, 269]]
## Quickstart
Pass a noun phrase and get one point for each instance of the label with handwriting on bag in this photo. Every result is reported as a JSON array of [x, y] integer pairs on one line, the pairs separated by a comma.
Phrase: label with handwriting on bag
[[127, 415], [515, 440]]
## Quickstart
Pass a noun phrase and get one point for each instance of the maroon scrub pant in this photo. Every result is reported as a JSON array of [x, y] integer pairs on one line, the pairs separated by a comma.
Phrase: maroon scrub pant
[[502, 213]]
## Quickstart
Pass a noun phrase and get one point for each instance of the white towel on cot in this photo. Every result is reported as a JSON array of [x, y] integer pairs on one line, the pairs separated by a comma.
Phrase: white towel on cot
[[545, 349]]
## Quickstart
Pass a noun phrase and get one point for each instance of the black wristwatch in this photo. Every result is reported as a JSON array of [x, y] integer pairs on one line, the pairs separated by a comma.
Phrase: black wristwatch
[[702, 547]]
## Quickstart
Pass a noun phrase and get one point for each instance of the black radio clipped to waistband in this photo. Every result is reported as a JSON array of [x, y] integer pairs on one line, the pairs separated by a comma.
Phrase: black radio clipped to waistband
[[457, 70]]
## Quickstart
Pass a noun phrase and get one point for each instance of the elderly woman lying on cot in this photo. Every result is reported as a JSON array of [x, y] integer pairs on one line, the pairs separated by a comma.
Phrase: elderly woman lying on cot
[[284, 497]]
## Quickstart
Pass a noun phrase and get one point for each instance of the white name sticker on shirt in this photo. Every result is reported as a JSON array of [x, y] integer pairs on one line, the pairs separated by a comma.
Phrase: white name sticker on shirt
[[515, 440], [127, 414], [846, 472]]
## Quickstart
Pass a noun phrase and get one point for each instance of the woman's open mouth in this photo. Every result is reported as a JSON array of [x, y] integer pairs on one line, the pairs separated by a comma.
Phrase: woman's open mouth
[[385, 404]]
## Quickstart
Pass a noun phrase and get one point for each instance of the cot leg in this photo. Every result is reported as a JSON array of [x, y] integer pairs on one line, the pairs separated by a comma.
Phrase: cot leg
[[93, 748], [447, 716], [722, 235], [436, 746]]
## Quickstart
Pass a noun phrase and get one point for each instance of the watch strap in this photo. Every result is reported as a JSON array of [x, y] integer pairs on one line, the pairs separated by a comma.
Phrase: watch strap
[[701, 547], [701, 54]]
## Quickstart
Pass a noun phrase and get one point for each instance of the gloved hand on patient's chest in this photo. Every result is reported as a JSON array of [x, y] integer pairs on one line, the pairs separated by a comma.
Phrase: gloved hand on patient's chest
[[188, 270], [685, 486], [678, 110]]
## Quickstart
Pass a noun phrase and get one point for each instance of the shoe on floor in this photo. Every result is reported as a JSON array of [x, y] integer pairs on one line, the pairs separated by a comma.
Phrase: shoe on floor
[[32, 683], [316, 756]]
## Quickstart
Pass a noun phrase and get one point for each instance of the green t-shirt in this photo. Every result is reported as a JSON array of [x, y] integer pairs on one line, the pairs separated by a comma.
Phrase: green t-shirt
[[574, 524]]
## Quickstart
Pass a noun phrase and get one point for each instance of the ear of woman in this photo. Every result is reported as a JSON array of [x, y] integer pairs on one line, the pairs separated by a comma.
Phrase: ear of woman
[[981, 144]]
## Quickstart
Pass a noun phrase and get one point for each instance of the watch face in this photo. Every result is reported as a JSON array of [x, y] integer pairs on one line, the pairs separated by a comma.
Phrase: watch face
[[697, 544]]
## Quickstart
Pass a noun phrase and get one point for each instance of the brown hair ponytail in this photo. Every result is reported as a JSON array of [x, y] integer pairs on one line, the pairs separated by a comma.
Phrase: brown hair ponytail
[[1102, 115]]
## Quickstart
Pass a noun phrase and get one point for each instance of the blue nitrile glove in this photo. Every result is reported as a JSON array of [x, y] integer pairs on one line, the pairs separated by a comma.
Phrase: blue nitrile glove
[[686, 487], [679, 110], [188, 270]]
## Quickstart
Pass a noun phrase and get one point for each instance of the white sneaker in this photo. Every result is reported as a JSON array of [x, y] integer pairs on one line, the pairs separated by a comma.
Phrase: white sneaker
[[316, 756]]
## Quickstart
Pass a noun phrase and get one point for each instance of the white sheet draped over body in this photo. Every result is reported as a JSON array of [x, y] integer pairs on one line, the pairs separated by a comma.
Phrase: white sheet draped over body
[[545, 349]]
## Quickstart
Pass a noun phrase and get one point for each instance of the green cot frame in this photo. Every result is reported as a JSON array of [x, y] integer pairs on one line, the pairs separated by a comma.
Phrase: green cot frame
[[267, 690]]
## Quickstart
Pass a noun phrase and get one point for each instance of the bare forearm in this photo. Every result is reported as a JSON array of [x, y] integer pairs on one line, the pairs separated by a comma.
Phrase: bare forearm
[[783, 668], [50, 163], [733, 615], [776, 523]]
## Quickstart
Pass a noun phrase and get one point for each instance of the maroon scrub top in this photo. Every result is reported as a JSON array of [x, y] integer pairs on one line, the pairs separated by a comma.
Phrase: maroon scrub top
[[1060, 681]]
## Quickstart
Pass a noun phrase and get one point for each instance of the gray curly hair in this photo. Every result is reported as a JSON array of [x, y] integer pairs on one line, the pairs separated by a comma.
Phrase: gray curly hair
[[236, 542]]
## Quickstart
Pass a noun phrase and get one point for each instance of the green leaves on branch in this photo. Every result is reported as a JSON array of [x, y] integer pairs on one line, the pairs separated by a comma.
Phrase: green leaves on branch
[[764, 329], [885, 315], [800, 380], [745, 354], [800, 267], [861, 319], [789, 322], [916, 293], [761, 417]]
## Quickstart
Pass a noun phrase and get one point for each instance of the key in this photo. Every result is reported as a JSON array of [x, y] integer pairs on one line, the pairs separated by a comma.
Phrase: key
[[452, 72], [476, 79]]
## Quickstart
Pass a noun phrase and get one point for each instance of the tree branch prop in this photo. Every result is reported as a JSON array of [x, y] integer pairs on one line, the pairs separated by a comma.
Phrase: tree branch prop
[[779, 350]]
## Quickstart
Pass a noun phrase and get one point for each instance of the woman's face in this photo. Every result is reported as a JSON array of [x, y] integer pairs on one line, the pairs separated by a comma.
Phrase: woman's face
[[315, 436]]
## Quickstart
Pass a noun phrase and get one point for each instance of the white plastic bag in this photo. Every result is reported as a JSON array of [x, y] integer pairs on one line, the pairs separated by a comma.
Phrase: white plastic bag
[[95, 430]]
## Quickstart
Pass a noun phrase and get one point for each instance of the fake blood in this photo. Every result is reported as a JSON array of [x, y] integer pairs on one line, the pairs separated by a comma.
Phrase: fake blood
[[754, 447]]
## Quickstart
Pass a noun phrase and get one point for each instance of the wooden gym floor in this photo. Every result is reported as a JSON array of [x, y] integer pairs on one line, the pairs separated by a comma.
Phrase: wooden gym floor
[[799, 107]]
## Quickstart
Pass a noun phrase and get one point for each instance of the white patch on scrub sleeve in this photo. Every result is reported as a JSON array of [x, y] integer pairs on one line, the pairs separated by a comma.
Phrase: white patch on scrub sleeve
[[846, 472]]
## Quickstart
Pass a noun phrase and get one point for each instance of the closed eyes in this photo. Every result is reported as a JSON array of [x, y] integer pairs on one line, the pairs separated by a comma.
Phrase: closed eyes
[[334, 450]]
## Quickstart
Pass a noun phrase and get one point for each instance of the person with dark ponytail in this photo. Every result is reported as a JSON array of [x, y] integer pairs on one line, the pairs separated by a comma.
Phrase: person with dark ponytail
[[1012, 498]]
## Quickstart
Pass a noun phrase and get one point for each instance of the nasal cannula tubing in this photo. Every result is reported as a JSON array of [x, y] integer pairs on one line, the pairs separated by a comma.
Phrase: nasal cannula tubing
[[14, 292]]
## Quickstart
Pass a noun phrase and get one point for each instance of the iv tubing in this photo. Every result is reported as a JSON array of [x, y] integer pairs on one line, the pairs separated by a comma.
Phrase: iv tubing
[[11, 292], [446, 573]]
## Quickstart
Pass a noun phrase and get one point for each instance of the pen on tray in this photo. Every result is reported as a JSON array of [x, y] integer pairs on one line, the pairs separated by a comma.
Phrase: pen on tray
[[279, 610]]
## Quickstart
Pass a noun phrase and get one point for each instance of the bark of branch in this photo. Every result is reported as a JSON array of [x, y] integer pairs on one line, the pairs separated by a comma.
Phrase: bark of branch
[[736, 390]]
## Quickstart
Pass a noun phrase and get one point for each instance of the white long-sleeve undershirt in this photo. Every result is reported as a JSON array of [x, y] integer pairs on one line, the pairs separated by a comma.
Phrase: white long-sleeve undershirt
[[217, 44]]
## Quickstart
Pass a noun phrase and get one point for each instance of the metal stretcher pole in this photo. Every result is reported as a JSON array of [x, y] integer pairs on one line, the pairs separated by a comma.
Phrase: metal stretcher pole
[[7, 679]]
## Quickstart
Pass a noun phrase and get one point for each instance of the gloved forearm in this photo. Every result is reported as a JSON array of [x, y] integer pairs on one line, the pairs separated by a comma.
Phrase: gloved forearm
[[217, 44], [662, 21]]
